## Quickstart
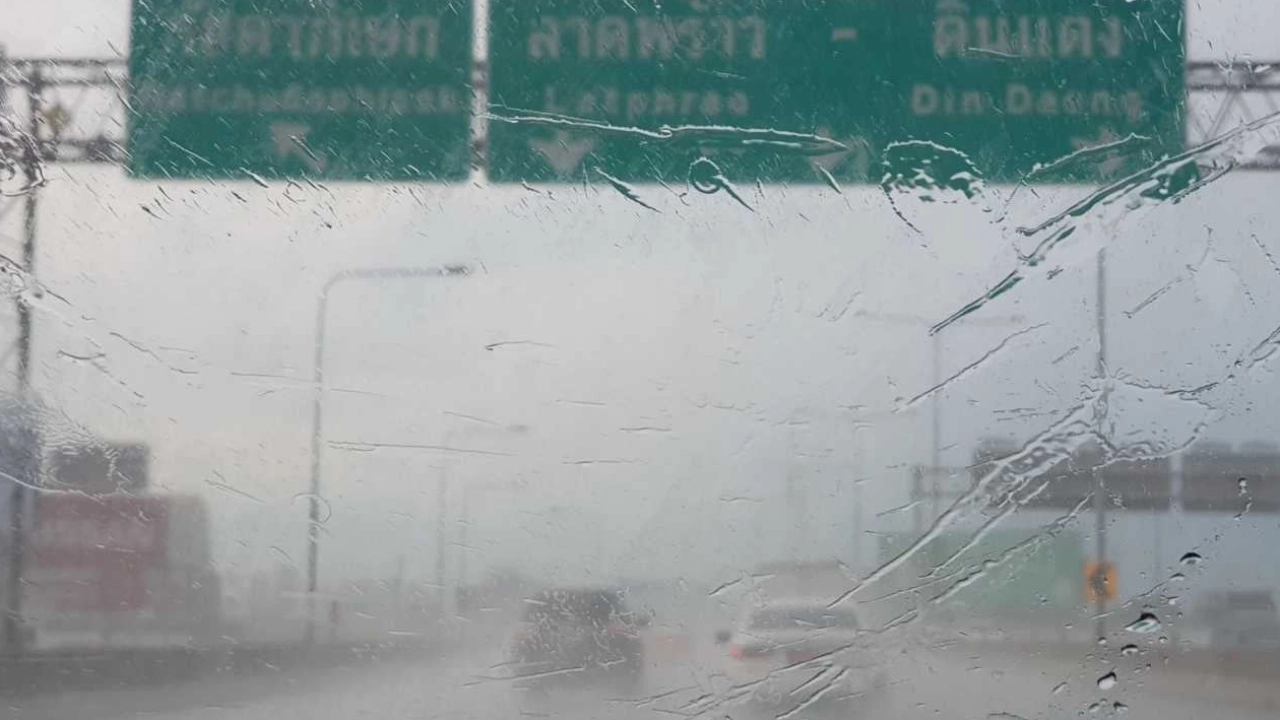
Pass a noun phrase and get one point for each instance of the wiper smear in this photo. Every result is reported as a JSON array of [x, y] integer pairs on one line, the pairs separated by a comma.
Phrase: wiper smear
[[702, 135], [1171, 179]]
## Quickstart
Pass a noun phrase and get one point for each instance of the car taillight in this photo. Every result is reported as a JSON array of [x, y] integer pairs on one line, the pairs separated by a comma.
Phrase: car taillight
[[738, 652]]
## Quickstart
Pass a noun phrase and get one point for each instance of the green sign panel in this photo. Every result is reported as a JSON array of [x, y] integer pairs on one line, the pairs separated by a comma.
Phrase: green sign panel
[[369, 90], [1008, 574], [639, 89]]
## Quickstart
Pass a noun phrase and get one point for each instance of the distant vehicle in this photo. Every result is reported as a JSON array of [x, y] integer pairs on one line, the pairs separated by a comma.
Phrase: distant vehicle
[[790, 651], [1246, 618], [587, 632], [121, 571], [100, 467]]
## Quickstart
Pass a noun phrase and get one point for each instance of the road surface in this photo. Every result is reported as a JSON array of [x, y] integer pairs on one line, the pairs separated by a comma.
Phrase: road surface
[[924, 683]]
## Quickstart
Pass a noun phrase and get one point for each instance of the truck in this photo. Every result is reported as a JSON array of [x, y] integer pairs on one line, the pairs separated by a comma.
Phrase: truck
[[120, 571]]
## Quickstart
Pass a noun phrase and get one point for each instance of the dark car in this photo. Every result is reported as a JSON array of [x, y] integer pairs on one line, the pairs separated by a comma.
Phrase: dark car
[[579, 632]]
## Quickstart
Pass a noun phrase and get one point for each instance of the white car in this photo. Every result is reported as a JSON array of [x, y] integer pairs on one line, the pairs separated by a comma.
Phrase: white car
[[798, 652]]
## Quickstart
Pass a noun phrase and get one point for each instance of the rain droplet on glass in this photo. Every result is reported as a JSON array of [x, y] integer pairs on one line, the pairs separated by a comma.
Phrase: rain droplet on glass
[[1108, 681], [1147, 622]]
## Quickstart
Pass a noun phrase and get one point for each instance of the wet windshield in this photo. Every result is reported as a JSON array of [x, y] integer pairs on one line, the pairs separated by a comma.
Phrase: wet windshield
[[505, 358], [594, 607], [801, 619]]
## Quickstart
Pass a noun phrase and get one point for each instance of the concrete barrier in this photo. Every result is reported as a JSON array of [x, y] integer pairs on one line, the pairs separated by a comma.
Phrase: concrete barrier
[[59, 671]]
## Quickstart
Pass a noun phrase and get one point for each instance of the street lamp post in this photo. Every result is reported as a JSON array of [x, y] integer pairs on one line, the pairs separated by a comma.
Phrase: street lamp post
[[317, 404], [935, 408]]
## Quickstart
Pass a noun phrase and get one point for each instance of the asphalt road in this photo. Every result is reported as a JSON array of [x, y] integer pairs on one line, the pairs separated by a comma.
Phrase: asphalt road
[[924, 683]]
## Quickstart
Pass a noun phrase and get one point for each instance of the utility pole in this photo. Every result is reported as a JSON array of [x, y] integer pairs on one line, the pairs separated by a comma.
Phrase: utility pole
[[31, 161], [14, 626], [1099, 486], [13, 576], [39, 80]]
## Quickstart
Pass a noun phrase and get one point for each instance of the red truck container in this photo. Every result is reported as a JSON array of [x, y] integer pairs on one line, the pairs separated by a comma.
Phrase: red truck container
[[120, 571]]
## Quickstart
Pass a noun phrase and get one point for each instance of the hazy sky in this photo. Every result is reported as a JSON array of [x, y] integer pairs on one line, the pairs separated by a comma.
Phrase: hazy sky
[[670, 369]]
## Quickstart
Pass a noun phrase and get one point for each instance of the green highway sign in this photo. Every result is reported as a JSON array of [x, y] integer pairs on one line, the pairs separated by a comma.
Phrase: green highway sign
[[369, 90], [1031, 578], [579, 86]]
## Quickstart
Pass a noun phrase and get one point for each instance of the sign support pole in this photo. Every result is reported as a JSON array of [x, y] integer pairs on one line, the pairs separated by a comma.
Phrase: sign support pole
[[1099, 487], [13, 622]]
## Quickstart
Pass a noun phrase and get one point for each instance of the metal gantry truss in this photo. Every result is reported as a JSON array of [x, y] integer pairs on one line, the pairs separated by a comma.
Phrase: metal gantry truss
[[79, 106], [1222, 95]]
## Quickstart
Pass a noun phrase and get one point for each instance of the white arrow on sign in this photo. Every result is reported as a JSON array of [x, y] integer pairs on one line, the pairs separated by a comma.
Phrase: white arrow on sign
[[856, 150], [562, 152], [290, 140]]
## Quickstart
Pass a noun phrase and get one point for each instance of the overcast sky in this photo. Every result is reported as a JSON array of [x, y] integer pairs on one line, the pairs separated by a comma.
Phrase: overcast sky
[[668, 371]]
